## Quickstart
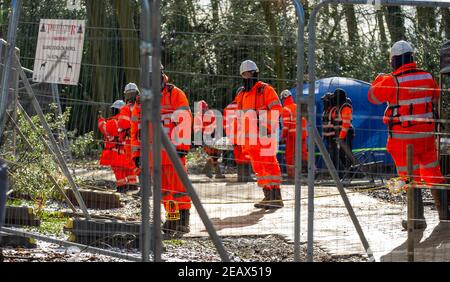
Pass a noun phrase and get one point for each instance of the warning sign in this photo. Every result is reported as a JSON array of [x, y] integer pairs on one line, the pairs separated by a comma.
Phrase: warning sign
[[59, 51]]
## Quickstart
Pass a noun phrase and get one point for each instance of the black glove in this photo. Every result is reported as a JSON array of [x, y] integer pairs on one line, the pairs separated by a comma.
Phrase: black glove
[[137, 162], [182, 154]]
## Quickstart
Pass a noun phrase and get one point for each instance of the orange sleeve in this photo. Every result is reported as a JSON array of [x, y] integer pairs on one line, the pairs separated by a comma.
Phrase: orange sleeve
[[112, 128], [125, 118], [273, 104], [305, 131], [382, 90], [134, 132], [102, 126], [285, 121], [346, 115]]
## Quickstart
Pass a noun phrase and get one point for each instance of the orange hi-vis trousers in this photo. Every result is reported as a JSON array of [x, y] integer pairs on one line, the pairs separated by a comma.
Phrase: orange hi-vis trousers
[[266, 168], [425, 162]]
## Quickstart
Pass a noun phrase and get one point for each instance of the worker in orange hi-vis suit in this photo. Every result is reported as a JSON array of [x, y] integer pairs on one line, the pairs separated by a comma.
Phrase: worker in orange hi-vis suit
[[131, 92], [176, 118], [259, 111], [241, 158], [205, 124], [412, 95], [113, 153], [341, 115], [289, 133]]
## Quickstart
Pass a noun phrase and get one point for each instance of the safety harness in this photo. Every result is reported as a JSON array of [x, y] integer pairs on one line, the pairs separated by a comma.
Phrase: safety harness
[[392, 113]]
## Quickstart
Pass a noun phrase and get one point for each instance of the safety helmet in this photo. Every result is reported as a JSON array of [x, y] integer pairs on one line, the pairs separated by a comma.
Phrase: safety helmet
[[131, 87], [118, 104], [401, 47], [248, 65], [285, 93]]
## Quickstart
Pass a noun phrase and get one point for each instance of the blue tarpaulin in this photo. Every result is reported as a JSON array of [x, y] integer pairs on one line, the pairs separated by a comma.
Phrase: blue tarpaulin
[[370, 131]]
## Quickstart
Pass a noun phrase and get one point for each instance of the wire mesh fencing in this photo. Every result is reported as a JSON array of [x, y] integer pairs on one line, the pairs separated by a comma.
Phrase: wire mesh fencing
[[202, 56]]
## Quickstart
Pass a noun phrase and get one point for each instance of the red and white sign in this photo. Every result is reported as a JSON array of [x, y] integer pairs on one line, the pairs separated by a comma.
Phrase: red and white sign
[[59, 51]]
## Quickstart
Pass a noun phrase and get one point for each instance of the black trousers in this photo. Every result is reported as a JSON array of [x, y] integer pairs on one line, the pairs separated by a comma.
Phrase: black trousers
[[340, 159]]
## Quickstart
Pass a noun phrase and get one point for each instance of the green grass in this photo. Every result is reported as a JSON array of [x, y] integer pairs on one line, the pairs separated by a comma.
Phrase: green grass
[[175, 242], [52, 223]]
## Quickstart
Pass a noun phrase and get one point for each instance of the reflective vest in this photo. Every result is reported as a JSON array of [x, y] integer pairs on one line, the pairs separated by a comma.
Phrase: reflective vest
[[290, 120], [410, 93], [333, 121], [174, 109]]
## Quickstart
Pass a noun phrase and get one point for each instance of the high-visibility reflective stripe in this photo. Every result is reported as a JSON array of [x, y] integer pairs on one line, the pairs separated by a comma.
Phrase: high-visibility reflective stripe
[[329, 133], [134, 118], [404, 136], [251, 135], [166, 116], [415, 101], [135, 149], [405, 168], [292, 130], [414, 77], [416, 117], [269, 177], [274, 103], [430, 165], [127, 118], [183, 108], [183, 140], [373, 97]]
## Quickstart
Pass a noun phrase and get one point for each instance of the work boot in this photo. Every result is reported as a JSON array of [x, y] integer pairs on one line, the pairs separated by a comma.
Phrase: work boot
[[275, 202], [240, 173], [263, 203], [132, 187], [419, 218], [208, 169], [441, 199], [122, 189], [183, 225]]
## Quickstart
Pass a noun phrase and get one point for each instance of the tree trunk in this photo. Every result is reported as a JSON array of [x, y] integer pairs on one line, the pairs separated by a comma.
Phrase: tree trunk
[[396, 23], [383, 37], [274, 37], [446, 22], [215, 11], [101, 57], [426, 21], [352, 25], [124, 10]]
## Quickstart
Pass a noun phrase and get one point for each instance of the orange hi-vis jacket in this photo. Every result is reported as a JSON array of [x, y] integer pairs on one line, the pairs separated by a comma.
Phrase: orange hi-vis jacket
[[109, 129], [262, 97], [289, 133], [124, 122], [176, 118], [410, 93]]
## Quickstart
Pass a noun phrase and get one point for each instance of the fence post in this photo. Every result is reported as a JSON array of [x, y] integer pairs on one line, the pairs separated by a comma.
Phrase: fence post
[[9, 59], [299, 127], [411, 204]]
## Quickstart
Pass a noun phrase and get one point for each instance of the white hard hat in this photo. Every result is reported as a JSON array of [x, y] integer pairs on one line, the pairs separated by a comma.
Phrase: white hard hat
[[401, 47], [131, 87], [118, 104], [248, 65], [285, 93]]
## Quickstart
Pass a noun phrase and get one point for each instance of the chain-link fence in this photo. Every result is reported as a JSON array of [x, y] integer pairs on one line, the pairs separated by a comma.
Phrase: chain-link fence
[[203, 46]]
